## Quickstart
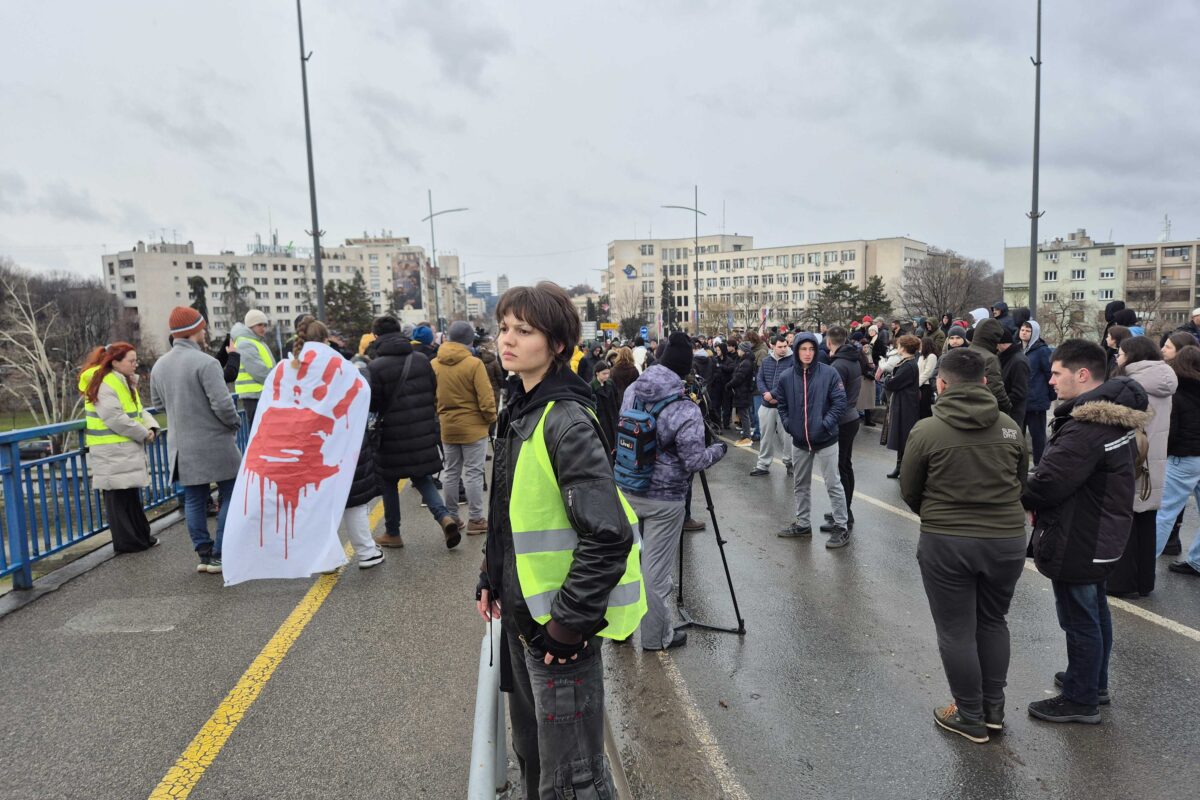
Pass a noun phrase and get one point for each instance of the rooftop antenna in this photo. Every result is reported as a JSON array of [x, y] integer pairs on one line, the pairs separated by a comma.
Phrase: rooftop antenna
[[722, 216], [1166, 234]]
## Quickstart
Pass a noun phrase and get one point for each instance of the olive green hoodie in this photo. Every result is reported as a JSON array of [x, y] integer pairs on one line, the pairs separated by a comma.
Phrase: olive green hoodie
[[964, 468]]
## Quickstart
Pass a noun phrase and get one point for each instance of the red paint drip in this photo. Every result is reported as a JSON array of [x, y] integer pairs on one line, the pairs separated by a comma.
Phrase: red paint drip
[[331, 369], [343, 406]]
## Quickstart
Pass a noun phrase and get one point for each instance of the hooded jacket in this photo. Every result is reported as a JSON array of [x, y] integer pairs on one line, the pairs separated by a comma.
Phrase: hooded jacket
[[1014, 370], [1160, 382], [964, 467], [987, 336], [1184, 440], [408, 446], [1005, 318], [769, 371], [1082, 491], [812, 400], [585, 480], [681, 449], [741, 380], [251, 357], [1039, 354], [466, 404], [847, 361]]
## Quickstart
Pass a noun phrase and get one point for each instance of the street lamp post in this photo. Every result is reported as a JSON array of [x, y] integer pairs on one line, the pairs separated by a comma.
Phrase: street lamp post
[[312, 185], [1034, 215], [437, 319], [696, 213]]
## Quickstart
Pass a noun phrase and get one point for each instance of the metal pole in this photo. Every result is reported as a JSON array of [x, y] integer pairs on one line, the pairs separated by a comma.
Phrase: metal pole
[[1034, 215], [696, 253], [312, 185], [433, 262]]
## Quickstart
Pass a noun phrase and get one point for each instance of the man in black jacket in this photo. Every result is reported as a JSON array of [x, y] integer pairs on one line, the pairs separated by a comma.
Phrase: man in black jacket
[[846, 359], [1082, 502], [1014, 371], [741, 387]]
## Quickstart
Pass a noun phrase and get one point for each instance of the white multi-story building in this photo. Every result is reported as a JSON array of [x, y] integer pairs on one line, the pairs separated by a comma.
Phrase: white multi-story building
[[151, 279], [501, 285], [740, 279]]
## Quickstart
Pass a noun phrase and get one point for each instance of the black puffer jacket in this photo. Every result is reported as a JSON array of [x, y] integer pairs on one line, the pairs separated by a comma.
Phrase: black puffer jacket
[[409, 447], [1014, 369], [1184, 438], [1082, 491], [847, 361], [585, 480], [741, 382]]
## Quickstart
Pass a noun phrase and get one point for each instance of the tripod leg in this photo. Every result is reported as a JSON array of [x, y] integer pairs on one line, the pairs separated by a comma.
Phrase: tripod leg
[[679, 594], [721, 546]]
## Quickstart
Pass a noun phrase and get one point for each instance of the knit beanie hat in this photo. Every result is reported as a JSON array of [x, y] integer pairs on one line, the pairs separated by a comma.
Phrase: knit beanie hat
[[745, 347], [255, 317], [184, 321], [423, 334], [1006, 336], [677, 355], [957, 330], [461, 332]]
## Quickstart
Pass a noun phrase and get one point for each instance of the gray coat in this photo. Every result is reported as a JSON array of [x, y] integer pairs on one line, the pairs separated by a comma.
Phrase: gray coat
[[122, 465], [202, 422], [1160, 382]]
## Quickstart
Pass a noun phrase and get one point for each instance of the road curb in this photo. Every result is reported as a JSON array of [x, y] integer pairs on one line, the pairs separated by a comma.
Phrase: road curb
[[19, 598]]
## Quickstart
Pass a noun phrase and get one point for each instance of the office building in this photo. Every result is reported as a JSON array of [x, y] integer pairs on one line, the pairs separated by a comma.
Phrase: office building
[[501, 285]]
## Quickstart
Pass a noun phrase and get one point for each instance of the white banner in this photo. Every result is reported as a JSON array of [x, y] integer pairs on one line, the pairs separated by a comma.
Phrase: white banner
[[296, 473]]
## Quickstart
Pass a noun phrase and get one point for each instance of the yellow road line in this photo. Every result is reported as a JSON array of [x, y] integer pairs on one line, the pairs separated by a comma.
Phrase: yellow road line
[[182, 778], [1124, 605]]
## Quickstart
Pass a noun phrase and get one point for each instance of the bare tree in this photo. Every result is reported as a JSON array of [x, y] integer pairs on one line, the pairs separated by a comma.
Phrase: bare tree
[[626, 302], [945, 281], [1063, 318], [1144, 294]]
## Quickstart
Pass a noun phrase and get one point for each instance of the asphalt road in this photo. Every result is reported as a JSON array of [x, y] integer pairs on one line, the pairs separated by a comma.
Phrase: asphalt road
[[830, 693]]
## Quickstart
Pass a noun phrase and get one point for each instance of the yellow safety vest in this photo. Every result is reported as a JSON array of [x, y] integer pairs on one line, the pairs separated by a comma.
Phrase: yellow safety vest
[[544, 541], [97, 432], [245, 384]]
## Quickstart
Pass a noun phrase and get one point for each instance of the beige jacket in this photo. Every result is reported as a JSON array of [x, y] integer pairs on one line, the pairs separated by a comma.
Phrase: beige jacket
[[466, 404], [123, 465]]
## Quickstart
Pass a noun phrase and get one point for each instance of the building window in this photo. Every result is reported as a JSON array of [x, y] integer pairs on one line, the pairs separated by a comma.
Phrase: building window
[[797, 259], [768, 279], [752, 280], [738, 263], [647, 249], [752, 263], [131, 295], [847, 255], [739, 280], [1050, 275], [1142, 253], [814, 258], [1049, 297], [830, 256], [813, 294], [1078, 274], [1176, 252], [848, 274], [1108, 251], [647, 287], [781, 261], [1106, 294], [814, 277], [1107, 274], [1077, 295]]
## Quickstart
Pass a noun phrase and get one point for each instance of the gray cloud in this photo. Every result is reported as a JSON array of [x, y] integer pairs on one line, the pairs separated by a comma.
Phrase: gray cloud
[[12, 191], [69, 204], [462, 42]]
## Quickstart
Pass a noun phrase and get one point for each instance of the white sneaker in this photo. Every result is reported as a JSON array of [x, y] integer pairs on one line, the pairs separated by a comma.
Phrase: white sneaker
[[371, 561]]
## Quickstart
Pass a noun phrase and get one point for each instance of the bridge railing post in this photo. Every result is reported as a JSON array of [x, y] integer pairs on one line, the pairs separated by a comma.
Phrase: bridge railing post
[[14, 515]]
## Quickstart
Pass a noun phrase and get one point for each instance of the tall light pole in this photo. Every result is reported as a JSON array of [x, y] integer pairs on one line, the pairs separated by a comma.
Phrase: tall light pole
[[437, 289], [1034, 215], [312, 185], [696, 213]]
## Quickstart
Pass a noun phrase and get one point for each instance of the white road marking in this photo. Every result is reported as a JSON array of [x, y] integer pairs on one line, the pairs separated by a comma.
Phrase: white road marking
[[1124, 605], [708, 741]]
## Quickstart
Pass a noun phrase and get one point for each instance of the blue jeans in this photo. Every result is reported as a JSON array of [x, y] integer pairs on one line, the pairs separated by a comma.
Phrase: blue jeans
[[1083, 615], [1181, 480], [391, 501], [195, 511]]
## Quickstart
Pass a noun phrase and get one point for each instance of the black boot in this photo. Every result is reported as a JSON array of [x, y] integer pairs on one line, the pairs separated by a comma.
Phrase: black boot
[[896, 472]]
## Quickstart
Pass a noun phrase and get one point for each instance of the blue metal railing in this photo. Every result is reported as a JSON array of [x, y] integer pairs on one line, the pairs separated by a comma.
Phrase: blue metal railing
[[48, 504]]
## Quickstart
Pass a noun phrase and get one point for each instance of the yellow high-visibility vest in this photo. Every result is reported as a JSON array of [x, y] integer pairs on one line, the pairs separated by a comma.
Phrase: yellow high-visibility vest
[[544, 541], [245, 384], [97, 432]]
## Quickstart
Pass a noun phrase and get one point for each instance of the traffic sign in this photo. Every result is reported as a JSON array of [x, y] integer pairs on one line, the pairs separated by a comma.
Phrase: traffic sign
[[608, 326], [645, 332], [589, 329]]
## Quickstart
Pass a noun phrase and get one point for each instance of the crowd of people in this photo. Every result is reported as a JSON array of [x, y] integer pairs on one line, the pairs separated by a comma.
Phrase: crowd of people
[[594, 447]]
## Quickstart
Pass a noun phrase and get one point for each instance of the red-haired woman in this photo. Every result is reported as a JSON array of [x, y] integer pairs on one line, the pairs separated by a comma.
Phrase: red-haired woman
[[117, 430]]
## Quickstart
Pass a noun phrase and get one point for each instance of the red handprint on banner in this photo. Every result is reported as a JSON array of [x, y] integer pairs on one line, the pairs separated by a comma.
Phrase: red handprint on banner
[[286, 449]]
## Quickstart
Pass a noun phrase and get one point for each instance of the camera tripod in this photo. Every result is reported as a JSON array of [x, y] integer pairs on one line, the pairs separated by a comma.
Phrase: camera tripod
[[688, 622]]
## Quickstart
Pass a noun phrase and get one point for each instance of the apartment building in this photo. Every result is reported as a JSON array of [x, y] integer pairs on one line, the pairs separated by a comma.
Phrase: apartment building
[[151, 279], [740, 279], [1159, 280]]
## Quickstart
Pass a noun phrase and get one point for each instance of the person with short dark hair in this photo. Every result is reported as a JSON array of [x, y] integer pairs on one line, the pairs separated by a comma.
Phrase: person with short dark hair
[[1081, 496], [741, 388], [773, 439], [846, 358], [1041, 393], [1014, 371], [985, 341], [962, 473], [904, 404], [560, 555]]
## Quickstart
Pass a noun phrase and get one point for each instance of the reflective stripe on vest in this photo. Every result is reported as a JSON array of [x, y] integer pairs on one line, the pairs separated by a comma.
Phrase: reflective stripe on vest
[[97, 432], [245, 383], [544, 541]]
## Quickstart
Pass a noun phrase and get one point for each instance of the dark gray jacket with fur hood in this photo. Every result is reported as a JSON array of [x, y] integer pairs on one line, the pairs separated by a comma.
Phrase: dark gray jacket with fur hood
[[1082, 492]]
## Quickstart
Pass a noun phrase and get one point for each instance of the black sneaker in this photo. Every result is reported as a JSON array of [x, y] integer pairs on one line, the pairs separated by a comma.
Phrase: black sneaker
[[756, 472], [1173, 548], [1184, 568], [1104, 698], [830, 526], [679, 639], [949, 718], [1060, 709], [787, 468], [795, 531], [840, 538], [203, 565], [993, 715]]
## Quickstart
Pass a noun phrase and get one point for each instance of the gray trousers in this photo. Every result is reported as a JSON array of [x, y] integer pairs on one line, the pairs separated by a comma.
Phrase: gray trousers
[[662, 525], [557, 716], [464, 460], [775, 441], [827, 463]]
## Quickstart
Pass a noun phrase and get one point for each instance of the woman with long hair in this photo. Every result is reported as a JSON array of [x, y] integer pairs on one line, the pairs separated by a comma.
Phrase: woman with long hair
[[624, 371], [117, 430], [1112, 345], [903, 408], [1139, 358], [1176, 342], [1183, 456], [926, 370]]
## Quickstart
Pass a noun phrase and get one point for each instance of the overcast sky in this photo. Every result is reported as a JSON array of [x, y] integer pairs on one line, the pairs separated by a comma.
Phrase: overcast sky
[[565, 125]]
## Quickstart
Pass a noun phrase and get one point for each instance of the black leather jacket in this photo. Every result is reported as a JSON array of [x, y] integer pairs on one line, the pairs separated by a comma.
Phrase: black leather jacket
[[585, 480]]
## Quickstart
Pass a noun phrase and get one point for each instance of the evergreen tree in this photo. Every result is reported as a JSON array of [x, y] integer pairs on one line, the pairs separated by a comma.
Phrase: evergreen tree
[[874, 299], [668, 305], [238, 295], [837, 303], [590, 311], [199, 291], [348, 307]]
